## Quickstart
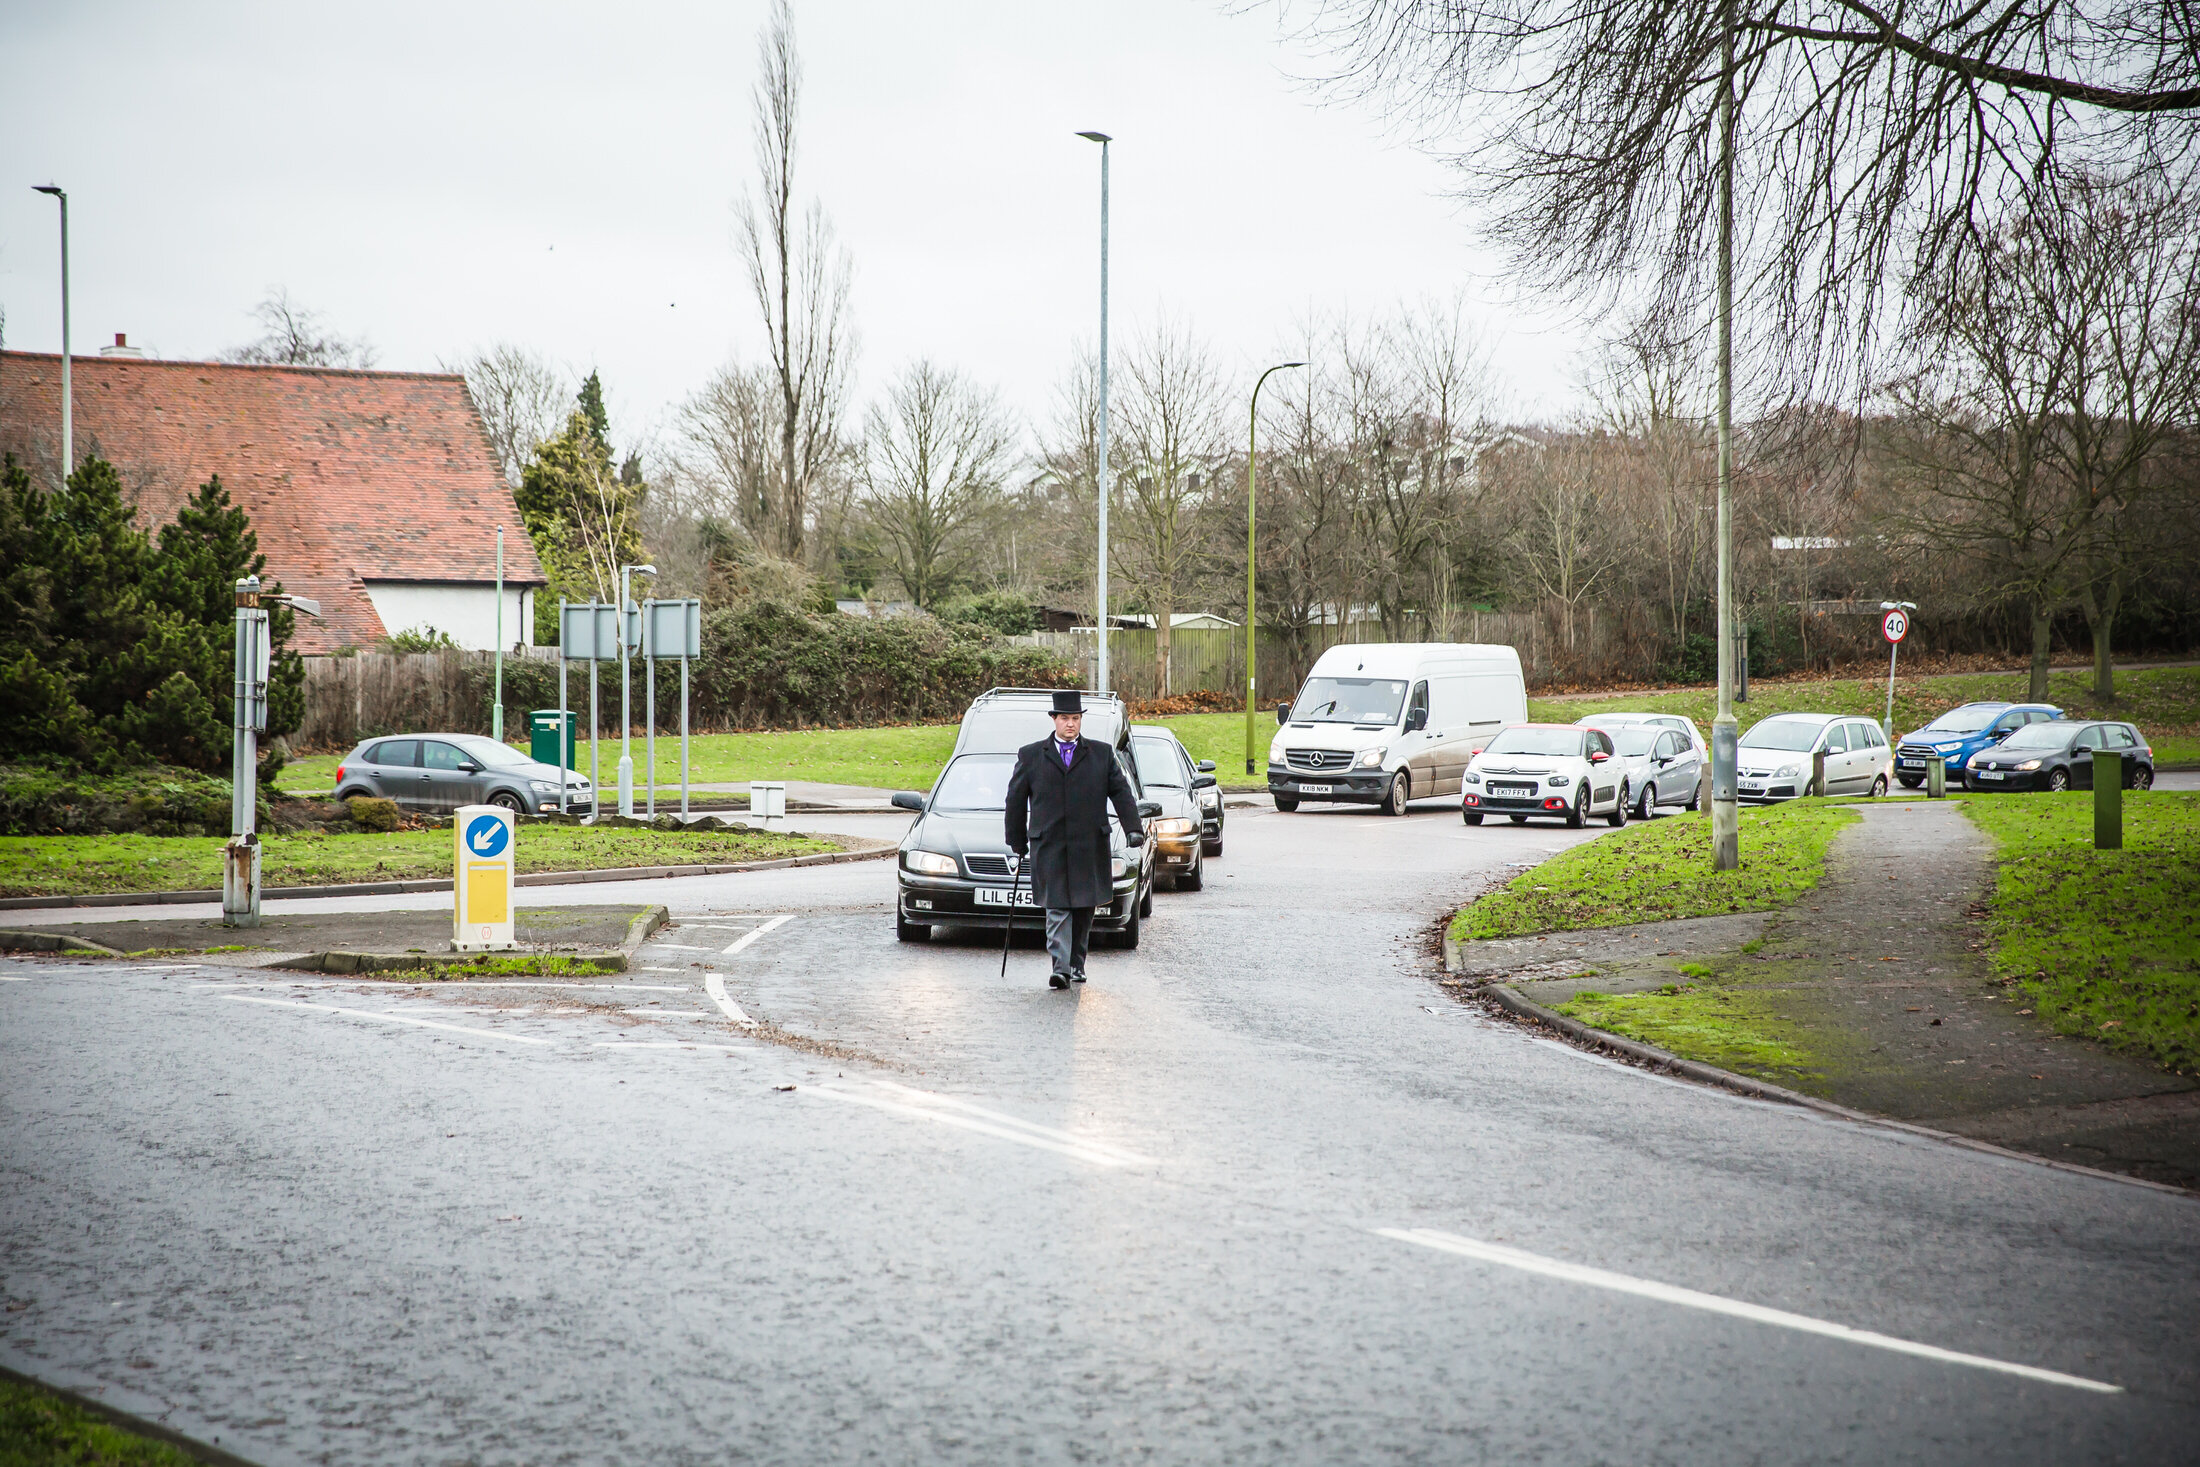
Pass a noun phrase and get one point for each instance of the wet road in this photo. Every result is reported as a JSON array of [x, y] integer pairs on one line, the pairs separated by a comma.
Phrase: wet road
[[1256, 1193]]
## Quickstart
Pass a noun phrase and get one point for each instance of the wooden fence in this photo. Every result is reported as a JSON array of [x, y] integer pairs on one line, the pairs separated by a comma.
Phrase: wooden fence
[[368, 693]]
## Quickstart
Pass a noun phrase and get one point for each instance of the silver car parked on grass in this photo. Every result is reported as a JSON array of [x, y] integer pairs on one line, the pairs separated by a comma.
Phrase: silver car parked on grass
[[434, 774]]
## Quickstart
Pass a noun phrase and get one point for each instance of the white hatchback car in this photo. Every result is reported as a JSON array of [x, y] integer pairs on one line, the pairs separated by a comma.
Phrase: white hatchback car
[[1776, 757], [1549, 769]]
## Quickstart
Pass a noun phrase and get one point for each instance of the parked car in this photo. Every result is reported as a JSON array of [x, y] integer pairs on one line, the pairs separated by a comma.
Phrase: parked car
[[1960, 734], [1178, 784], [1658, 767], [437, 773], [1548, 769], [1775, 759], [2058, 755], [1382, 723], [1614, 720], [955, 867]]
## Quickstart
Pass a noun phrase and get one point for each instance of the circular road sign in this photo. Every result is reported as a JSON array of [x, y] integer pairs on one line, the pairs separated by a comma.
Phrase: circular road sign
[[487, 835], [1896, 625]]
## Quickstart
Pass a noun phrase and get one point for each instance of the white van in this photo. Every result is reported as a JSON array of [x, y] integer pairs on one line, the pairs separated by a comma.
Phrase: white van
[[1381, 723]]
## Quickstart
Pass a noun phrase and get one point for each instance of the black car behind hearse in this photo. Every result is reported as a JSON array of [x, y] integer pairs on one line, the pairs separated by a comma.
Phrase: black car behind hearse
[[955, 868]]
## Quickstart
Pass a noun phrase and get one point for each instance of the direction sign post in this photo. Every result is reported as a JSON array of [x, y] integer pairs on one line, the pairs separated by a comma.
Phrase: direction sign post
[[481, 879], [1894, 626]]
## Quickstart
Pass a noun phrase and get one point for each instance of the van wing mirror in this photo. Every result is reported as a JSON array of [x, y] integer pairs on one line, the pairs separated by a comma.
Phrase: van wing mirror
[[908, 800], [1416, 720], [1206, 766], [1283, 713], [1149, 808], [1204, 781]]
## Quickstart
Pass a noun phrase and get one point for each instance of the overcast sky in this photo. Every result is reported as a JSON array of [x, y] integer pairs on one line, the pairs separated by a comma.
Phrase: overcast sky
[[561, 175]]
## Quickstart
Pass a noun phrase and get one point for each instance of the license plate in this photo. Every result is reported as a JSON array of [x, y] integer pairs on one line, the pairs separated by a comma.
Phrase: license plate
[[1911, 763], [1512, 791], [1313, 789], [1752, 789], [1989, 774], [993, 896]]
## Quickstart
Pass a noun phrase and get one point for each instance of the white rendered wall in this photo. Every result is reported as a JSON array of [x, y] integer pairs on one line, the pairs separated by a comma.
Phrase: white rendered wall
[[467, 613]]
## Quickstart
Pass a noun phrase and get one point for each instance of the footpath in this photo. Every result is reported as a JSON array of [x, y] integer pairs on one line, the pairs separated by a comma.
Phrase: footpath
[[1874, 994]]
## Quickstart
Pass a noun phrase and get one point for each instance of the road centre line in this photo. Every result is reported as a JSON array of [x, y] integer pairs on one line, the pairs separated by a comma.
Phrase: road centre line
[[714, 984], [672, 1044], [1575, 1273], [779, 921], [321, 1008], [948, 1111], [616, 987]]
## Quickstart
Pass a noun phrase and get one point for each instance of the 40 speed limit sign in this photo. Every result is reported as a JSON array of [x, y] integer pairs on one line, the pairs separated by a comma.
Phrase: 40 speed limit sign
[[1896, 625]]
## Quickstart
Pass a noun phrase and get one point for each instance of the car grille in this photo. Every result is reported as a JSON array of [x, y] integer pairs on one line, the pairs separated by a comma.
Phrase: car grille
[[1316, 760], [1915, 751], [990, 865]]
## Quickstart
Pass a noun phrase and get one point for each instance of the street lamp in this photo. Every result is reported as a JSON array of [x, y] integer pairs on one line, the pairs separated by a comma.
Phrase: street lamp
[[626, 721], [68, 431], [1100, 670], [1252, 453]]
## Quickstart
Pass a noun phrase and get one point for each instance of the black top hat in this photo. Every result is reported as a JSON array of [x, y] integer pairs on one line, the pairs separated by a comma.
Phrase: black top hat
[[1071, 701]]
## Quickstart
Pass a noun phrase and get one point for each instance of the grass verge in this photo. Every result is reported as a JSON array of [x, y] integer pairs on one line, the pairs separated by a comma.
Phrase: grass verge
[[2106, 943], [1659, 871], [38, 1428], [1734, 1029], [2164, 702], [65, 865]]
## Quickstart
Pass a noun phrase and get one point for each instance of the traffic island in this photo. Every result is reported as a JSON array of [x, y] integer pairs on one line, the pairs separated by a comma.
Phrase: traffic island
[[551, 941], [1878, 991]]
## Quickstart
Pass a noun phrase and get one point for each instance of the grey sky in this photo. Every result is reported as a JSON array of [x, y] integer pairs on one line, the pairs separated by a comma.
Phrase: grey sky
[[437, 177]]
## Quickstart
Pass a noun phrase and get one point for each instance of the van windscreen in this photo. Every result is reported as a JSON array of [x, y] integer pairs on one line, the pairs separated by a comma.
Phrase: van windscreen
[[1349, 700]]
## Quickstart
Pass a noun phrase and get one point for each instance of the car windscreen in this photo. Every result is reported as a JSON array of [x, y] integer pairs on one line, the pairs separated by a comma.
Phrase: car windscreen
[[975, 782], [1636, 740], [492, 753], [1550, 742], [1005, 728], [1968, 719], [1158, 764], [1349, 700], [1784, 733], [2041, 736]]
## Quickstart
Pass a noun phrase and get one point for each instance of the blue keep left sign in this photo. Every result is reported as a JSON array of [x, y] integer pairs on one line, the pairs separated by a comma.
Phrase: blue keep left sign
[[487, 836]]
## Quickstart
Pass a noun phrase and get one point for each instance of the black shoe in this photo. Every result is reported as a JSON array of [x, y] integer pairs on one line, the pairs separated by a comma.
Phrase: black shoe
[[1057, 980], [1077, 977]]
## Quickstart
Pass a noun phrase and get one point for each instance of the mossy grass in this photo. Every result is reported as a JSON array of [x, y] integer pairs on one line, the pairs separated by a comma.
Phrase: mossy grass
[[1733, 1028], [2105, 943], [77, 865], [39, 1428], [1661, 870]]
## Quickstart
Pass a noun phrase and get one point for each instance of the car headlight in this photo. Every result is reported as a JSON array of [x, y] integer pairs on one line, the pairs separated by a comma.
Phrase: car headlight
[[1558, 781], [1785, 771], [1118, 868], [1470, 777], [1372, 758], [1175, 826], [931, 863], [1210, 799], [2029, 764], [542, 786]]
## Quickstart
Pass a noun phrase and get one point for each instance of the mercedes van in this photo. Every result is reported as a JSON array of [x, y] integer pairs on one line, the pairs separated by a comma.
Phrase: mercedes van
[[1382, 723]]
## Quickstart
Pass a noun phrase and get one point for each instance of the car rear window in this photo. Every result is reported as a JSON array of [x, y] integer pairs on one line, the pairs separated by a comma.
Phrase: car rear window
[[396, 753]]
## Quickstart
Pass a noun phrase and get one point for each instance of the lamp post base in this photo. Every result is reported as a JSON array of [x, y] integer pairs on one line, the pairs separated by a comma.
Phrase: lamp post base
[[241, 881]]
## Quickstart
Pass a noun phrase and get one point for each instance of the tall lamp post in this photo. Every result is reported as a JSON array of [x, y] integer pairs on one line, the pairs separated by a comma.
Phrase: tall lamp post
[[1725, 809], [1100, 628], [68, 428], [1252, 455], [626, 721]]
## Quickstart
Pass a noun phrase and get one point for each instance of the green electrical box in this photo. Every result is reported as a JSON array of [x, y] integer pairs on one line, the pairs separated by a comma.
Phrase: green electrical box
[[542, 737]]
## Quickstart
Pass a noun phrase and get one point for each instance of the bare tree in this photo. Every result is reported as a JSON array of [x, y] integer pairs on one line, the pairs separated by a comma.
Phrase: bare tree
[[522, 400], [1172, 437], [293, 336], [799, 277], [935, 453], [1562, 523], [726, 453]]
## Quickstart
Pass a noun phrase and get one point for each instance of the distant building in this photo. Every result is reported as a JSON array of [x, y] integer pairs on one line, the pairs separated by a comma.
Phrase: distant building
[[375, 493], [1179, 621]]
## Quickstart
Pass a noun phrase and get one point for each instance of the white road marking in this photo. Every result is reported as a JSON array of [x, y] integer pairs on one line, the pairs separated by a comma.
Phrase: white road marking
[[1575, 1273], [620, 987], [660, 970], [9, 978], [946, 1110], [672, 1044], [321, 1008], [686, 947], [714, 984], [779, 921]]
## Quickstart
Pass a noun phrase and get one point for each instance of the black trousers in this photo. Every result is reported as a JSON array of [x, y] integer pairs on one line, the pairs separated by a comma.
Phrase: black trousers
[[1069, 935]]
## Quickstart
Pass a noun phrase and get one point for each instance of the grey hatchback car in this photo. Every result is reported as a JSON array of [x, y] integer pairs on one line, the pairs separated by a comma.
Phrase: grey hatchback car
[[437, 773]]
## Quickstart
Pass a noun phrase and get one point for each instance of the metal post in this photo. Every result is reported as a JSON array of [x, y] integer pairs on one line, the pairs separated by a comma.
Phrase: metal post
[[683, 740], [241, 856], [1894, 655], [1725, 813], [565, 752], [496, 712], [1100, 621], [649, 714], [1252, 653], [68, 404], [2108, 800], [595, 743], [626, 720]]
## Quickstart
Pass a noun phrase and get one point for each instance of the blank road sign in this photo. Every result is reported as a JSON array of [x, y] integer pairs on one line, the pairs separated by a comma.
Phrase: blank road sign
[[672, 628], [589, 632]]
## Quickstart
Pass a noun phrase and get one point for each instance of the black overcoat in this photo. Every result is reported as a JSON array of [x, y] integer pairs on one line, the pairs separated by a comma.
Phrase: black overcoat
[[1061, 816]]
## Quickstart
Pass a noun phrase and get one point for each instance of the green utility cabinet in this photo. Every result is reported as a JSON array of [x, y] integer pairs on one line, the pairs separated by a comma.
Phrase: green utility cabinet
[[542, 737]]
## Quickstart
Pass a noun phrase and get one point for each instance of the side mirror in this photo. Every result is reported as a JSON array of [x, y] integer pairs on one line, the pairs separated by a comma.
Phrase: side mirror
[[1599, 757], [468, 766], [1149, 808], [1204, 781], [1205, 766], [908, 800], [1664, 759], [2002, 733], [1283, 713], [1417, 720]]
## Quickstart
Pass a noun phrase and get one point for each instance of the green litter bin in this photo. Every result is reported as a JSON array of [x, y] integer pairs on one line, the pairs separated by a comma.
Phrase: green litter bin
[[542, 737]]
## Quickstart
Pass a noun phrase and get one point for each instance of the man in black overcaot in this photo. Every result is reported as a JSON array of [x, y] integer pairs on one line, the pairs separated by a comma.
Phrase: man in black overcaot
[[1057, 822]]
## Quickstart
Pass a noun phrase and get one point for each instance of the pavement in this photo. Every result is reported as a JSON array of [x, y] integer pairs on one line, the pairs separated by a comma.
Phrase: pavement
[[387, 933], [792, 1191]]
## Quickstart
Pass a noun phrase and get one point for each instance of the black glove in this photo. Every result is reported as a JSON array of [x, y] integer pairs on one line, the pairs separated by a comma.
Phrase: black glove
[[1021, 851], [1134, 838]]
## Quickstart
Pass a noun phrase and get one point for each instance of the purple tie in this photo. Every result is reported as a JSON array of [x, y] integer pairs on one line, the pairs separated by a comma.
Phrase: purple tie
[[1067, 751]]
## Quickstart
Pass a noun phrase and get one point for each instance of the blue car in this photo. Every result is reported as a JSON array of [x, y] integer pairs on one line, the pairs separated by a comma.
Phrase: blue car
[[1961, 732]]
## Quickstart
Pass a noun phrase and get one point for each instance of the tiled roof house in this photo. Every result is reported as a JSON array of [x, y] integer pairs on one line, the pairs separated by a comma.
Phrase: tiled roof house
[[374, 492]]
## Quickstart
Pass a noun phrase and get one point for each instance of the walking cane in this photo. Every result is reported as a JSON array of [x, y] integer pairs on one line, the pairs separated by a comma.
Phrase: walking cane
[[1008, 928]]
